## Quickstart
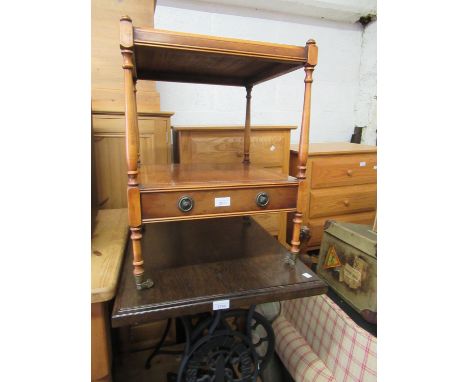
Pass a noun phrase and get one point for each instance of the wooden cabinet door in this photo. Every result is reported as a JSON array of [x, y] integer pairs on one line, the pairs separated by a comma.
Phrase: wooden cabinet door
[[109, 154]]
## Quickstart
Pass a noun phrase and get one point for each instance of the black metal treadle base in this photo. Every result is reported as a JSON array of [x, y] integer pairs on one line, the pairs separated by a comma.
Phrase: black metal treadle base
[[228, 345]]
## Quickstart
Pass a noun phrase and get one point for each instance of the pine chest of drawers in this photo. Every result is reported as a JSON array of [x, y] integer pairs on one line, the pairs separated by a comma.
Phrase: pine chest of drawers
[[341, 185]]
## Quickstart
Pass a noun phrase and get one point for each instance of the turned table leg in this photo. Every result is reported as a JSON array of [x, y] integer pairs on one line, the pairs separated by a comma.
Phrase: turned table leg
[[303, 151], [138, 270], [132, 146]]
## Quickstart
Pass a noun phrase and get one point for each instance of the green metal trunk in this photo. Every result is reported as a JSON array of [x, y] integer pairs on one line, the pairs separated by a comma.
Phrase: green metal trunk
[[348, 263]]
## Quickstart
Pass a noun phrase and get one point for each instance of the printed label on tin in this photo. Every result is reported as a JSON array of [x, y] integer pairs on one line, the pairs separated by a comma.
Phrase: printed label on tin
[[331, 259], [351, 276]]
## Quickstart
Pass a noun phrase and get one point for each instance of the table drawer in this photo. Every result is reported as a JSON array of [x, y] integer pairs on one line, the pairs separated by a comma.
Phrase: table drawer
[[316, 225], [161, 206], [342, 200], [343, 170]]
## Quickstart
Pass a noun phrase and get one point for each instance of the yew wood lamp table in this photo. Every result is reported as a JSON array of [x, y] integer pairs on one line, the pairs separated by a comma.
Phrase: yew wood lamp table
[[180, 193]]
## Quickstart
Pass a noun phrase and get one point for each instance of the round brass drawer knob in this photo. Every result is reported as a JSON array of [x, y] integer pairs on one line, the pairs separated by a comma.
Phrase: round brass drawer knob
[[349, 172], [186, 203], [262, 199], [346, 202]]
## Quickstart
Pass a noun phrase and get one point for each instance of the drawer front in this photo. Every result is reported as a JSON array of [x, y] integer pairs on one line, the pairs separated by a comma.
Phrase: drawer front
[[342, 200], [343, 170], [316, 225], [161, 206]]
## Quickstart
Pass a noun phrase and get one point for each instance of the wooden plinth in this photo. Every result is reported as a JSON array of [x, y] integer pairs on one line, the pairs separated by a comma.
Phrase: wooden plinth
[[194, 263]]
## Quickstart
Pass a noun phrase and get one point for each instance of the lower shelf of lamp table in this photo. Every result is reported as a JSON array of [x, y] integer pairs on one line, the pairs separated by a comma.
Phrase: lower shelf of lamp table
[[192, 191]]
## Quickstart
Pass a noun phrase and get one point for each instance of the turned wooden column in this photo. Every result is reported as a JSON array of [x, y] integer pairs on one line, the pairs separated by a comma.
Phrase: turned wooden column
[[247, 125], [303, 150], [132, 138]]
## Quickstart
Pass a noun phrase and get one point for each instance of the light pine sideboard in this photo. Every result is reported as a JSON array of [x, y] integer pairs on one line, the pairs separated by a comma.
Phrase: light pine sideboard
[[110, 165], [269, 148], [341, 183]]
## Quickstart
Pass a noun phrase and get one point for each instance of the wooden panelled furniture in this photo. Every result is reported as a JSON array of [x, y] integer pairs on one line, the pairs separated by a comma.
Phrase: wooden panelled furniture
[[108, 104], [179, 192], [108, 149], [106, 69], [109, 152], [108, 243], [341, 183], [269, 148], [197, 262]]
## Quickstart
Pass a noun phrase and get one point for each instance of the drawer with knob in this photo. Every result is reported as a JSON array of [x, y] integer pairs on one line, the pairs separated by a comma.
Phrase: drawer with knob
[[199, 203], [345, 170], [316, 225], [342, 200], [341, 179]]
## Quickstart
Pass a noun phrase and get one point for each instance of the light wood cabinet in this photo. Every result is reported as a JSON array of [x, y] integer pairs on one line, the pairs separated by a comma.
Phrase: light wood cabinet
[[269, 148], [107, 81], [110, 165], [108, 159], [341, 183]]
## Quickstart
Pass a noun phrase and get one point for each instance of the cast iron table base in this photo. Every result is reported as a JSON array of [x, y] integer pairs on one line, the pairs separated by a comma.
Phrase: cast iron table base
[[229, 345]]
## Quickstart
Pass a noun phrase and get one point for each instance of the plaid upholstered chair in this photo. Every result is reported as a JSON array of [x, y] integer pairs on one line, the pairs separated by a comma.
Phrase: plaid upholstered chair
[[318, 342]]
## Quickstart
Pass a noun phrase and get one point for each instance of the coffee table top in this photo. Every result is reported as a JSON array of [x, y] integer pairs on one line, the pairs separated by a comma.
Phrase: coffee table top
[[194, 263]]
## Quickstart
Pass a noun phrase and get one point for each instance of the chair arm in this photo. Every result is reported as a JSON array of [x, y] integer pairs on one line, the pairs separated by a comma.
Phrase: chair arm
[[297, 355]]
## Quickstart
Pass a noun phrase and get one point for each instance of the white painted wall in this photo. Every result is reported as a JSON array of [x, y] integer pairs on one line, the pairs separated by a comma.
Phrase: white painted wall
[[366, 106], [337, 10], [279, 101]]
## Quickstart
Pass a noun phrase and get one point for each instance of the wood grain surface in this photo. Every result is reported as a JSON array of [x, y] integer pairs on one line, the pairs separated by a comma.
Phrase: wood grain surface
[[205, 176], [109, 152], [316, 224], [106, 62], [101, 352], [342, 200], [341, 180], [164, 206], [184, 57], [269, 148], [151, 54], [108, 244], [194, 263], [335, 148], [211, 128], [343, 170]]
